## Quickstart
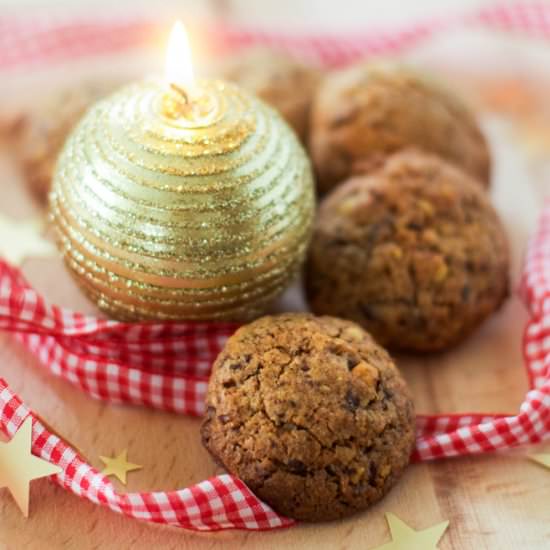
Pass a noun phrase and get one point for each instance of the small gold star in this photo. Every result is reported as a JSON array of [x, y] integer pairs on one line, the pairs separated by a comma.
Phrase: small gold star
[[22, 239], [542, 459], [18, 466], [405, 538], [118, 466]]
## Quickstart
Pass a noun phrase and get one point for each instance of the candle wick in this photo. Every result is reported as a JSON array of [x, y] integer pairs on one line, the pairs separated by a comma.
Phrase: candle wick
[[180, 91]]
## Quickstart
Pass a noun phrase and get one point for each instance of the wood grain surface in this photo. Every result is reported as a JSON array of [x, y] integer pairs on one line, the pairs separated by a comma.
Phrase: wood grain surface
[[493, 502]]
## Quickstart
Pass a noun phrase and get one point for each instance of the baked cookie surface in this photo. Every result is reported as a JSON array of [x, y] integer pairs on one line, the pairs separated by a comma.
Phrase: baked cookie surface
[[279, 80], [374, 109], [311, 414], [414, 252], [41, 132]]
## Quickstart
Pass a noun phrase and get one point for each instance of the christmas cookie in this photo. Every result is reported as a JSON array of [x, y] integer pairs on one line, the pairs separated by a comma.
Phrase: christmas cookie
[[370, 110], [40, 133], [279, 80], [414, 252], [311, 414]]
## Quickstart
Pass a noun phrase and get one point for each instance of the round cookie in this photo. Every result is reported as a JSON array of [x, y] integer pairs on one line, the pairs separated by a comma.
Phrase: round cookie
[[41, 133], [371, 110], [414, 252], [311, 414], [279, 80]]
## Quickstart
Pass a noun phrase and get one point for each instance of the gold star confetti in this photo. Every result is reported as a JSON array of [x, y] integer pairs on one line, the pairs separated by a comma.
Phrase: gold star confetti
[[119, 466], [405, 538], [22, 239], [18, 467], [542, 459]]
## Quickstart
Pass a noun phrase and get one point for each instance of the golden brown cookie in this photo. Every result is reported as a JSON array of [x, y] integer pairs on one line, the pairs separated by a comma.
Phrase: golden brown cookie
[[414, 252], [41, 132], [371, 110], [279, 80], [311, 414]]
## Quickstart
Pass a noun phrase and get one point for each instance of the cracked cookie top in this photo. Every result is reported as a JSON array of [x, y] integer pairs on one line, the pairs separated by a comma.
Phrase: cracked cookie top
[[279, 80], [310, 413], [374, 109], [414, 252]]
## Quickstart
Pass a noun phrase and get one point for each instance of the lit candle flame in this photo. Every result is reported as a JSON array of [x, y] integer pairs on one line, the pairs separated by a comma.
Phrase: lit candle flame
[[179, 68]]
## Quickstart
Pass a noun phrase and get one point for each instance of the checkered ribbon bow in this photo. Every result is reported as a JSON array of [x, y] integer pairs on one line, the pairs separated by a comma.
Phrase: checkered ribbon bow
[[166, 366]]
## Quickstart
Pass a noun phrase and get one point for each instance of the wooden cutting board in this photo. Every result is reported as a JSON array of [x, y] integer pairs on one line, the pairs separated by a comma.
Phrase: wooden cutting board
[[498, 501]]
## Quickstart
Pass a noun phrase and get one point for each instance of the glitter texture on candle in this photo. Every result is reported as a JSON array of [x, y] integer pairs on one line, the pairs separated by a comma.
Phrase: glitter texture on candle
[[161, 216]]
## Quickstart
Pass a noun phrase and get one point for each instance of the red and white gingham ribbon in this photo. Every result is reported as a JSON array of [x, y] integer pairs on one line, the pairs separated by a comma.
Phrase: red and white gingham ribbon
[[166, 366], [39, 39], [114, 361], [162, 365], [221, 502], [459, 434]]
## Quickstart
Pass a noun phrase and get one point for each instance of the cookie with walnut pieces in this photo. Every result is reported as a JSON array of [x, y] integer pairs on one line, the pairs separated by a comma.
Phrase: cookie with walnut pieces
[[371, 110], [41, 131], [279, 80], [311, 414], [413, 252]]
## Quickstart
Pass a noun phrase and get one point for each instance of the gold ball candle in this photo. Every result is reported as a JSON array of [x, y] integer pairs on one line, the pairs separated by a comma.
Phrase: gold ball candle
[[181, 200]]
